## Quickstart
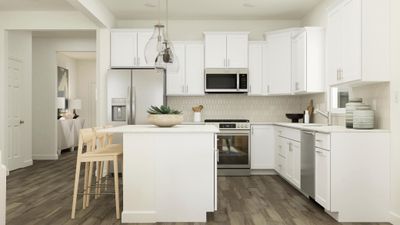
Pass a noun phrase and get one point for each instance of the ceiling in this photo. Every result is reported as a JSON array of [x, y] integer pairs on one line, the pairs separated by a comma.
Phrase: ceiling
[[34, 5], [80, 55], [212, 9]]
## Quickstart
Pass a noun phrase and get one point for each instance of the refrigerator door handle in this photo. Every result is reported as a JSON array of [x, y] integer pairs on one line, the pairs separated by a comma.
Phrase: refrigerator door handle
[[133, 106], [128, 106]]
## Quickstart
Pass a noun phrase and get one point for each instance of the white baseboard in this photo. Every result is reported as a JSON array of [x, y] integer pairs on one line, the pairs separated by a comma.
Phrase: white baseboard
[[394, 218], [45, 157], [256, 172], [28, 162]]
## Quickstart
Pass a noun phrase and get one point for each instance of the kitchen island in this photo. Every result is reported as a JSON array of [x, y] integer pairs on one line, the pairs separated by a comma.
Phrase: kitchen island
[[169, 174]]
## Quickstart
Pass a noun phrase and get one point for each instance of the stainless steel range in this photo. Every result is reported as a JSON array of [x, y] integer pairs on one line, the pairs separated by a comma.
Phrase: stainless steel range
[[233, 142]]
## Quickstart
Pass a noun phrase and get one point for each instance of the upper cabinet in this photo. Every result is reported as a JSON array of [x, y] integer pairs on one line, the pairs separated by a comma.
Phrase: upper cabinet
[[188, 78], [127, 48], [279, 61], [258, 80], [358, 42], [226, 50], [308, 61]]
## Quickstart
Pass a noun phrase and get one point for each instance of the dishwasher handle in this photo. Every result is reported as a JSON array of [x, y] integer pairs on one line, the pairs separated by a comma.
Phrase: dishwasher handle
[[309, 132]]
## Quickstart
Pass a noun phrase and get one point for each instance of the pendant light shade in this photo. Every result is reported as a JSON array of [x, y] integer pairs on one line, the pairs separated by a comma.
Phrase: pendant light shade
[[155, 44], [159, 49]]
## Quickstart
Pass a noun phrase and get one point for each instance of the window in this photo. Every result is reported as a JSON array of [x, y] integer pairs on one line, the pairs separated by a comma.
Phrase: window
[[339, 98]]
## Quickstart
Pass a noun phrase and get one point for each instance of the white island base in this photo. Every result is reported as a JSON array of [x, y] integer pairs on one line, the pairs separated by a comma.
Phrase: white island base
[[169, 174]]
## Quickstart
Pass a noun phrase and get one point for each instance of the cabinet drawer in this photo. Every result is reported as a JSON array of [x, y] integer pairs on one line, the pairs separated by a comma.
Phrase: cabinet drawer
[[323, 141], [289, 133], [280, 147]]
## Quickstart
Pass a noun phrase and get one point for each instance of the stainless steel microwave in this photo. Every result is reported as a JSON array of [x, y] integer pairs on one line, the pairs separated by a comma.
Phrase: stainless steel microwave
[[226, 80]]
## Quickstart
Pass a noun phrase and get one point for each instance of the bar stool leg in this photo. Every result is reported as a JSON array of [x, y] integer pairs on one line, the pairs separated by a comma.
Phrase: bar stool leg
[[89, 183], [76, 185], [100, 177], [85, 184], [97, 187], [116, 187], [107, 174]]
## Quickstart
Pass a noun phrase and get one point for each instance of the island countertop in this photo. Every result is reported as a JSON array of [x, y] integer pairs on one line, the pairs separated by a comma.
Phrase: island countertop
[[155, 129]]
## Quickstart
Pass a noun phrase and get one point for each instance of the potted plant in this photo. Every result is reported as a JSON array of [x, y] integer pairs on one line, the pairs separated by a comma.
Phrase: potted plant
[[164, 116]]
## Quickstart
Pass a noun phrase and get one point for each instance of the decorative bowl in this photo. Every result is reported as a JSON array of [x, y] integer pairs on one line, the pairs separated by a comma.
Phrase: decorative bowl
[[295, 117], [165, 120]]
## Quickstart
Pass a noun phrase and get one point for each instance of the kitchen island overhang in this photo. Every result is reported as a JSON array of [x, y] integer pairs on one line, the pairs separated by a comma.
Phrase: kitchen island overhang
[[169, 174]]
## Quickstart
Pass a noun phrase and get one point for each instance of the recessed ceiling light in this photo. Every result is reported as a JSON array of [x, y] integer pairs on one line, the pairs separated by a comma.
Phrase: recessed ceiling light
[[150, 5], [248, 5]]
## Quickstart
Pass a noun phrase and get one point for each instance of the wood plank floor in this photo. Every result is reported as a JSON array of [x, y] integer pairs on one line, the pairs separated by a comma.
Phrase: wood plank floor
[[41, 194]]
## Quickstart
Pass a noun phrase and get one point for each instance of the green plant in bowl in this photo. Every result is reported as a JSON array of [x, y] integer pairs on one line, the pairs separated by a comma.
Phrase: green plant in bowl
[[164, 116]]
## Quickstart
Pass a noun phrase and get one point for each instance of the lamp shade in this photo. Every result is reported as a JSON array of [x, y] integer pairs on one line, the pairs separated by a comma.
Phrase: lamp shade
[[60, 103], [76, 104]]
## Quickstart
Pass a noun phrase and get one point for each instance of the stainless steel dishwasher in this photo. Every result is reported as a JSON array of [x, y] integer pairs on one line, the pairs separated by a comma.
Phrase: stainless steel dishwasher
[[308, 163]]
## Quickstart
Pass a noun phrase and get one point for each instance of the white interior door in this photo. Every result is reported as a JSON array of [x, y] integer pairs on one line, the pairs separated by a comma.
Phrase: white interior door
[[15, 123]]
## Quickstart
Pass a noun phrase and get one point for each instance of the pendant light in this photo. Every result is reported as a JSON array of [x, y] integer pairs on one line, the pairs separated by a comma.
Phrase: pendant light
[[159, 48]]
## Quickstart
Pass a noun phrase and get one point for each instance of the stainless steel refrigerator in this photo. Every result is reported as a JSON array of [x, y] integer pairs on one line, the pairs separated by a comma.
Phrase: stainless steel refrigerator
[[131, 92]]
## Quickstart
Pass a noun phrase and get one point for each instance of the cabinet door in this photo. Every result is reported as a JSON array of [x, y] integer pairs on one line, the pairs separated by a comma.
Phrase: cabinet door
[[289, 160], [334, 47], [215, 51], [176, 78], [296, 176], [262, 147], [194, 69], [280, 63], [265, 86], [255, 69], [351, 41], [323, 178], [299, 69], [142, 39], [123, 49], [237, 50]]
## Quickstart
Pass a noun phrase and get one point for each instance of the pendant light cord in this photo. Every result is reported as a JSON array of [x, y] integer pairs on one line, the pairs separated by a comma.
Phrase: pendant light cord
[[166, 22], [159, 11]]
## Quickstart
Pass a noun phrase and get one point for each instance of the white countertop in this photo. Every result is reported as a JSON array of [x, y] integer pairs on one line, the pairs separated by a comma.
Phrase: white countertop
[[155, 129], [323, 128]]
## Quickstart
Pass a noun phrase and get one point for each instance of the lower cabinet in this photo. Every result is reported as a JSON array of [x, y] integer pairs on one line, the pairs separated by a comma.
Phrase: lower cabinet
[[288, 159], [323, 177], [262, 147]]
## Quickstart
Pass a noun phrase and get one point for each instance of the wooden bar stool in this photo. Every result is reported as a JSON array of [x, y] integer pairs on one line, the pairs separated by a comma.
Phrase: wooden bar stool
[[93, 154]]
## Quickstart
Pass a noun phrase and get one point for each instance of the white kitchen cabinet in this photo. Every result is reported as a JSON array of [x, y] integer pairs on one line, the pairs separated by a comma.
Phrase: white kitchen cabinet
[[293, 162], [358, 42], [279, 61], [262, 147], [257, 69], [308, 61], [226, 50], [323, 177], [188, 78], [127, 48], [287, 154]]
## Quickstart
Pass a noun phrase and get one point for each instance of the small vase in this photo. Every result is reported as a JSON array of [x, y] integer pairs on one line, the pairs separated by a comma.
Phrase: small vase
[[197, 117]]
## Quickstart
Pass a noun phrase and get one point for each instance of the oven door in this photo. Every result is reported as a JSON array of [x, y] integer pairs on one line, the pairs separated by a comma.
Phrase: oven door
[[234, 149]]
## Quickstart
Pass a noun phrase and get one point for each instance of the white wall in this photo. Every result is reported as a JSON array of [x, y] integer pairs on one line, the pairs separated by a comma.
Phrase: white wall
[[395, 110], [86, 85], [318, 17], [45, 91]]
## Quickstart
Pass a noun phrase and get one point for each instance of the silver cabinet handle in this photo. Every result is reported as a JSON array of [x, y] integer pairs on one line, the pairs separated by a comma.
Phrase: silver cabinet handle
[[267, 89], [228, 63], [337, 74], [187, 89], [183, 88], [138, 61], [224, 62], [134, 61], [318, 140], [250, 88]]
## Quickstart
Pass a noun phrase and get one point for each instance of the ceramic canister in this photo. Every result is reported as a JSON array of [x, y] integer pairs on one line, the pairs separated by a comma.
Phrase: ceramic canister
[[352, 105]]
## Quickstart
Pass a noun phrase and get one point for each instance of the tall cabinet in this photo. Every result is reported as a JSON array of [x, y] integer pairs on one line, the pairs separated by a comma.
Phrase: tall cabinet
[[279, 61], [188, 77], [358, 42]]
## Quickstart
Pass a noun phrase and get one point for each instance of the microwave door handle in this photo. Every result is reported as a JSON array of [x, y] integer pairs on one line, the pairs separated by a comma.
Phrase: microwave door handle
[[237, 81]]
